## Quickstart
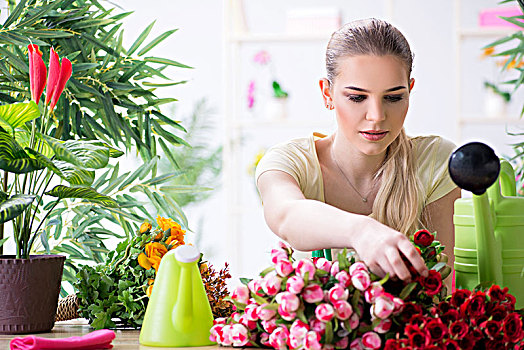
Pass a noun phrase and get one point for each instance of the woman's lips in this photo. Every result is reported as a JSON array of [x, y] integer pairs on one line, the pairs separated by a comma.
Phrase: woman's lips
[[374, 135]]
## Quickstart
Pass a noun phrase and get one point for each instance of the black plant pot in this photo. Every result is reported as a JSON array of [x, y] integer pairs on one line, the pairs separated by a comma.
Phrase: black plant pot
[[29, 290]]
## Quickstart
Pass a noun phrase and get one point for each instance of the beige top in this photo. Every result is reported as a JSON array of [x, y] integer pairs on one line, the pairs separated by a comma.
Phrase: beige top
[[299, 159]]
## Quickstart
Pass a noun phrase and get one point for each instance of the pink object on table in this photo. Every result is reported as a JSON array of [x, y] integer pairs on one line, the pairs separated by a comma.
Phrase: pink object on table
[[491, 17], [100, 339]]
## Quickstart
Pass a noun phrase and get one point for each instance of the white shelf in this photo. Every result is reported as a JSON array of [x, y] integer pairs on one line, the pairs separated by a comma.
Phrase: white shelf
[[281, 124], [279, 37], [482, 32], [485, 120]]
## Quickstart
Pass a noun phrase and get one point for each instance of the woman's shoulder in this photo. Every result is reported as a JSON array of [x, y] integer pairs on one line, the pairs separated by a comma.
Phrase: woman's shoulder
[[426, 147]]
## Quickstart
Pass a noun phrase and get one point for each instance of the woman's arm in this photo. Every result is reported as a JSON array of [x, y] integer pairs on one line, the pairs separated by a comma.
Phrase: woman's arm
[[310, 225]]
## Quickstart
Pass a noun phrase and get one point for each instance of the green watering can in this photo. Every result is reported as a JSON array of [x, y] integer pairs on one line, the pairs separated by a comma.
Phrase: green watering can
[[178, 313], [489, 227]]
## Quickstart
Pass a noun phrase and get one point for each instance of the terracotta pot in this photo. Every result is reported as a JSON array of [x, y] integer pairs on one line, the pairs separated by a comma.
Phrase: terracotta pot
[[29, 290]]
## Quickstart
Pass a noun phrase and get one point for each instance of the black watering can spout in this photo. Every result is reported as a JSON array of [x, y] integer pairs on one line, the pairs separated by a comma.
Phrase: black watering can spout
[[474, 167]]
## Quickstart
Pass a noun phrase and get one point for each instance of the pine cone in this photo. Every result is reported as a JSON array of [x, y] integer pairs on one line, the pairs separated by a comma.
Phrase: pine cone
[[67, 308]]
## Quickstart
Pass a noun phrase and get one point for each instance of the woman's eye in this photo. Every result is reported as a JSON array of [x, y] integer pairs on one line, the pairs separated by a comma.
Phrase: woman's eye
[[357, 98], [393, 98]]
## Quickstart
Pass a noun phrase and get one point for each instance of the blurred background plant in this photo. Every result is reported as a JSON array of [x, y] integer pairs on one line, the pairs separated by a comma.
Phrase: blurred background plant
[[514, 62], [112, 96]]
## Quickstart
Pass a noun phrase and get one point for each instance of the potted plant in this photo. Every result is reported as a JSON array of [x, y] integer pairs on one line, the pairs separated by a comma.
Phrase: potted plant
[[33, 162]]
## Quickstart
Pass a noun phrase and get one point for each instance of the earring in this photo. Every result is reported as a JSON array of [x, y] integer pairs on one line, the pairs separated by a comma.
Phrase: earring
[[329, 106]]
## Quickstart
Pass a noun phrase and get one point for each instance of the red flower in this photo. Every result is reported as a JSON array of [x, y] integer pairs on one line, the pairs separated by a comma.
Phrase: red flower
[[498, 313], [474, 306], [433, 283], [450, 316], [391, 344], [467, 343], [423, 238], [450, 344], [443, 307], [409, 310], [512, 327], [54, 73], [65, 73], [459, 329], [436, 329], [417, 320], [497, 294], [417, 338], [37, 72], [459, 297], [491, 328]]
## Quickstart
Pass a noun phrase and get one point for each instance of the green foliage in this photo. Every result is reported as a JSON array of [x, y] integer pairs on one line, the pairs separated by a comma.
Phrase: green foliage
[[115, 290]]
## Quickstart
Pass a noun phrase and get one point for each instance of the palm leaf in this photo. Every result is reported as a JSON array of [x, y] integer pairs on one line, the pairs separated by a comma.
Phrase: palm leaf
[[87, 193], [140, 39], [156, 41], [15, 206]]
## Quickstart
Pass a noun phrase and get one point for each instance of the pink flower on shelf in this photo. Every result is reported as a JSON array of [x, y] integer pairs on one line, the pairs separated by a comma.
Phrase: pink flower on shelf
[[284, 268], [239, 335], [295, 284], [289, 301], [265, 313], [338, 292], [313, 294], [344, 278], [279, 337], [240, 294], [304, 266], [37, 72], [383, 307], [262, 57], [324, 312], [271, 283], [269, 325], [361, 280], [312, 341], [343, 309], [374, 290], [323, 264], [255, 286], [251, 94], [371, 340]]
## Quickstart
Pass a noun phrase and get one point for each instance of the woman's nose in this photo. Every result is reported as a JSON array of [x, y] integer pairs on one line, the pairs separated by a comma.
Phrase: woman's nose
[[376, 111]]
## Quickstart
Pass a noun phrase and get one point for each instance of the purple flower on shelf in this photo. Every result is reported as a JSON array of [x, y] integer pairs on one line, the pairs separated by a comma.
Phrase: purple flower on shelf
[[262, 57], [251, 94]]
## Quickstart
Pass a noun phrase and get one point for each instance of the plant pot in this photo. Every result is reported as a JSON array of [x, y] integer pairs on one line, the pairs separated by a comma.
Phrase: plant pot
[[29, 290]]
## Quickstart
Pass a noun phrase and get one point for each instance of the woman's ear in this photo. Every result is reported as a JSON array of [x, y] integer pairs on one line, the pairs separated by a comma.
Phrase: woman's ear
[[411, 84], [325, 88]]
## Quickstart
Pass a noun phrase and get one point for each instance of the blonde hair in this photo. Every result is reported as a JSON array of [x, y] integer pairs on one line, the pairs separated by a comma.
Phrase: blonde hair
[[399, 203]]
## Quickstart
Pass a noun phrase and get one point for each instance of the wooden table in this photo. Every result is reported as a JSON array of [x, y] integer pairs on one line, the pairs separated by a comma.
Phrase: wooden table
[[125, 339]]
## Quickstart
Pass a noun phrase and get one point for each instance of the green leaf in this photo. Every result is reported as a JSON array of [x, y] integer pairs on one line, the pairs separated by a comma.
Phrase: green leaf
[[140, 39], [2, 241], [13, 158], [156, 41], [88, 154], [514, 21], [163, 178], [329, 332], [407, 290], [3, 196], [13, 16], [184, 189], [166, 61], [15, 206], [438, 266], [146, 83], [17, 114], [87, 193]]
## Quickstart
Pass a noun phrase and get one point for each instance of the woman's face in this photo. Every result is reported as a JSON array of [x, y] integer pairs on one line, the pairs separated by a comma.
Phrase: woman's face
[[371, 98]]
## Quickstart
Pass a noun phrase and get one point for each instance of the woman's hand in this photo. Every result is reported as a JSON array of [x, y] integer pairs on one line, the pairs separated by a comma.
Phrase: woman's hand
[[383, 250]]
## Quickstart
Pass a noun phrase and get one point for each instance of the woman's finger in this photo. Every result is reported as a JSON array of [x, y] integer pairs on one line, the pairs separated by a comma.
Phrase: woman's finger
[[409, 251], [397, 264]]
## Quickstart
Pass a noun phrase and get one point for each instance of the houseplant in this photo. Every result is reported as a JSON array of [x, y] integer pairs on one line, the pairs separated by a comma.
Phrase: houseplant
[[31, 159]]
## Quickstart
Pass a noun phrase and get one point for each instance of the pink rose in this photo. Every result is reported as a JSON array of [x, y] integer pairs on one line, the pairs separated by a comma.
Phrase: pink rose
[[399, 305], [317, 325], [343, 309], [299, 329], [312, 341], [356, 344], [255, 286], [383, 306], [354, 321], [295, 284], [313, 294], [278, 338], [324, 312], [374, 290], [323, 264], [240, 294], [221, 320], [284, 267], [295, 342], [264, 313], [344, 278], [269, 325], [342, 343], [264, 339], [289, 301], [239, 335], [271, 284], [338, 292], [251, 311], [384, 326], [286, 315], [358, 266], [278, 255], [304, 266], [335, 268], [226, 335], [244, 320], [216, 333], [361, 280], [371, 340]]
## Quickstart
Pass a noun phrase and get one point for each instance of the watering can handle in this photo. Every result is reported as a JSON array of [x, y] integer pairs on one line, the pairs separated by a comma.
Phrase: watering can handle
[[506, 185]]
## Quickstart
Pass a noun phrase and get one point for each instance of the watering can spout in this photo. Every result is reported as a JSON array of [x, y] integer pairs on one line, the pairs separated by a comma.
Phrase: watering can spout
[[475, 167]]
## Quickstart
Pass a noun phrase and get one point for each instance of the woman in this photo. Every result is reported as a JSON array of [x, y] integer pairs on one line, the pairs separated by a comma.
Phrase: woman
[[367, 185]]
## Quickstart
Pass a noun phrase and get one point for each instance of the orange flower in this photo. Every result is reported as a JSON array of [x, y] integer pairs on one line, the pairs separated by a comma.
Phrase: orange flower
[[488, 52], [149, 291], [175, 241], [155, 249], [159, 236], [144, 261], [155, 262], [166, 224], [145, 227]]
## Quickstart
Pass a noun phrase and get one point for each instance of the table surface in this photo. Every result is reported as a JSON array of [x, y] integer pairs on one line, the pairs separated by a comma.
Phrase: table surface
[[125, 339]]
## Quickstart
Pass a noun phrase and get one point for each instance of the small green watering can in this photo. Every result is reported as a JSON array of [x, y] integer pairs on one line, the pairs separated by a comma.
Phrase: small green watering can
[[489, 227], [178, 313]]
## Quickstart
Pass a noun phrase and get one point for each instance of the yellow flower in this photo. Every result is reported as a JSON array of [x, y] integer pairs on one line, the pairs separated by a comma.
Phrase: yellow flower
[[145, 227], [144, 261], [488, 52]]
